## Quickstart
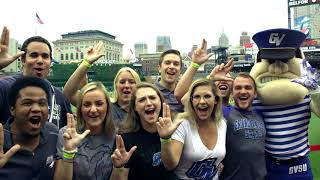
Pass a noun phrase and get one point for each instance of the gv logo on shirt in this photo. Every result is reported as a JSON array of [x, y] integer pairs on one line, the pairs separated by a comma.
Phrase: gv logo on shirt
[[205, 169]]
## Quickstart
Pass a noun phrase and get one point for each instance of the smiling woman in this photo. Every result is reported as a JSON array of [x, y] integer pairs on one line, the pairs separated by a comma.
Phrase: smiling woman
[[195, 150], [91, 155], [143, 161]]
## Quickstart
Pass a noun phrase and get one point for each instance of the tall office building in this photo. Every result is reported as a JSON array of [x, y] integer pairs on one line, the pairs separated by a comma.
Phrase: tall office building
[[163, 43], [223, 40], [244, 39], [73, 46], [140, 48], [194, 47]]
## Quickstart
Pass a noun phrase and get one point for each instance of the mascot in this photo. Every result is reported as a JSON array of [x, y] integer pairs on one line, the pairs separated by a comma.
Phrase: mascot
[[287, 94]]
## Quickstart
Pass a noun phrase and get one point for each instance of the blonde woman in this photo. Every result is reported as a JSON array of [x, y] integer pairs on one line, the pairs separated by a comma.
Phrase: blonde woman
[[195, 148], [90, 154], [124, 84]]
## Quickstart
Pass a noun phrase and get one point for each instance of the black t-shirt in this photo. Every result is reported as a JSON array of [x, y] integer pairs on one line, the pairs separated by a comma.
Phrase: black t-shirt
[[145, 163]]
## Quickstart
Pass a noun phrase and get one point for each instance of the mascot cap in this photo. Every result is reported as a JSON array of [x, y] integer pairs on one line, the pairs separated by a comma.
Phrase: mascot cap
[[278, 43]]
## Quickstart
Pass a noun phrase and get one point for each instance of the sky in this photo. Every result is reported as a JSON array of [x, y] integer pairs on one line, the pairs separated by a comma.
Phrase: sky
[[187, 22]]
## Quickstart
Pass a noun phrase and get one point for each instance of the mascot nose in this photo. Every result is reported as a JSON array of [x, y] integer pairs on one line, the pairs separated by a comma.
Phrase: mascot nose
[[278, 67]]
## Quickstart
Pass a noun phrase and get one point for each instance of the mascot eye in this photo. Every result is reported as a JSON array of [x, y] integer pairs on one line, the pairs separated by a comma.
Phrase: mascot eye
[[271, 61]]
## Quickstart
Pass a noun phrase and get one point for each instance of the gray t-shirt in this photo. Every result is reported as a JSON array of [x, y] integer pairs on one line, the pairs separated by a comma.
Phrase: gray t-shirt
[[245, 146], [93, 159]]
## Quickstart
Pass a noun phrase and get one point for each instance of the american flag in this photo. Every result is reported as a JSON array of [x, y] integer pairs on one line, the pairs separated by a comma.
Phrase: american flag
[[38, 18]]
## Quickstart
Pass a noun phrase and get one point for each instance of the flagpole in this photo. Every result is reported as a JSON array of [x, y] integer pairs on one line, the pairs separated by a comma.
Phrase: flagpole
[[35, 27]]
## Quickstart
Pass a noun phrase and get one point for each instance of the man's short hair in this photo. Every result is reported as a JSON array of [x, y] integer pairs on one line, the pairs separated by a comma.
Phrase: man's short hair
[[247, 76], [35, 39], [170, 51], [27, 81]]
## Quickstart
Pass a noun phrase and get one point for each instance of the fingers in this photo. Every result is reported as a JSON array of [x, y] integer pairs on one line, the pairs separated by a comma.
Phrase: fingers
[[85, 133], [132, 150], [70, 121], [5, 36], [17, 55], [1, 138], [229, 65], [119, 142], [166, 110], [161, 122], [204, 44], [66, 135], [12, 151]]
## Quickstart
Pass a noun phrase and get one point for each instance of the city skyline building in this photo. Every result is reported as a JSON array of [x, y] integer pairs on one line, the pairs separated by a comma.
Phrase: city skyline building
[[163, 43], [140, 48], [245, 39], [73, 46], [223, 40]]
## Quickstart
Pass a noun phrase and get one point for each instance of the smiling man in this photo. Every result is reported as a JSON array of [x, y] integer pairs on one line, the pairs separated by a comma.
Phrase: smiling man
[[245, 134], [28, 140], [170, 65], [36, 57]]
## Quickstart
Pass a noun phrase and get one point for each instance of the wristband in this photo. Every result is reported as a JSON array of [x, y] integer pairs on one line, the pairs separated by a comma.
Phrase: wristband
[[195, 65], [86, 63], [165, 140], [69, 155]]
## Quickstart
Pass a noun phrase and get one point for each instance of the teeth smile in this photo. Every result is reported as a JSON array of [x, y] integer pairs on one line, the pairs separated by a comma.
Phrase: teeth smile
[[271, 78]]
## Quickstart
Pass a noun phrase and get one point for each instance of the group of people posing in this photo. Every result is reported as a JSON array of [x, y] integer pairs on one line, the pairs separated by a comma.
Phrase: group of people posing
[[176, 128]]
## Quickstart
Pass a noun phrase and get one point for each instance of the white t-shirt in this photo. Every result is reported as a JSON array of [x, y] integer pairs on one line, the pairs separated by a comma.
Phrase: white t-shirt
[[197, 161]]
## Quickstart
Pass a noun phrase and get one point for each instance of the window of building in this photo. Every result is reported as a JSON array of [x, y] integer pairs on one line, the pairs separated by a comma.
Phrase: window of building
[[77, 56], [61, 56], [107, 55], [81, 55], [67, 57], [71, 56]]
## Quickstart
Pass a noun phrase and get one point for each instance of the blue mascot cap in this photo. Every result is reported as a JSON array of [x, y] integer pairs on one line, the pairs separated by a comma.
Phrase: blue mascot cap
[[279, 44]]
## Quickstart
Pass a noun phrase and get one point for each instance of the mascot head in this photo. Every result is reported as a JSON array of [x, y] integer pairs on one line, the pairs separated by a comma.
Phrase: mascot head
[[278, 62]]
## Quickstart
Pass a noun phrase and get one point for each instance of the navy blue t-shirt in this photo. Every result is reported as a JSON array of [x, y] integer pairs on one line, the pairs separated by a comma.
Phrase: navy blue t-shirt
[[27, 165]]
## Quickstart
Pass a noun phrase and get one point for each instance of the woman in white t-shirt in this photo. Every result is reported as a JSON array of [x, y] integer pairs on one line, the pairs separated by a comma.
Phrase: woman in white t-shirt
[[195, 147]]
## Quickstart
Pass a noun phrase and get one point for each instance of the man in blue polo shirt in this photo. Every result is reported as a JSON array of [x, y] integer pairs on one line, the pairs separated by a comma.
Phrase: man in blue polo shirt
[[169, 68], [27, 140], [36, 60]]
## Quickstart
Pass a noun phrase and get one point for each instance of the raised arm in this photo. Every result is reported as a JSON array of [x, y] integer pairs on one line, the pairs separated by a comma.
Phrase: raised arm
[[170, 149], [71, 139], [199, 57], [70, 90], [5, 58]]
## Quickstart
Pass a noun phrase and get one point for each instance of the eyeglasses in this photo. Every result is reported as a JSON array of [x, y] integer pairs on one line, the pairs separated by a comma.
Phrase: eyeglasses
[[197, 98]]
